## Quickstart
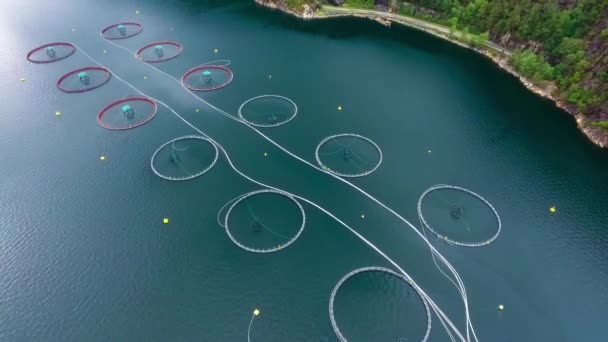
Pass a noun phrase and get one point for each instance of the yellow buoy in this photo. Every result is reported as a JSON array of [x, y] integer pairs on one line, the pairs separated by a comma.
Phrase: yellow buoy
[[501, 307], [552, 209], [102, 158], [57, 113], [256, 312], [216, 50], [23, 79], [165, 220], [339, 107]]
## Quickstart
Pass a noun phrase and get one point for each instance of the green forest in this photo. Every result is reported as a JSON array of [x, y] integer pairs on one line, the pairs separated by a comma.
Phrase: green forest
[[561, 35], [551, 39]]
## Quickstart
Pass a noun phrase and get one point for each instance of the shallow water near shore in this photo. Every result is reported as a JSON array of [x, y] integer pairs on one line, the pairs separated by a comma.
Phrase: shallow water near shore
[[84, 255]]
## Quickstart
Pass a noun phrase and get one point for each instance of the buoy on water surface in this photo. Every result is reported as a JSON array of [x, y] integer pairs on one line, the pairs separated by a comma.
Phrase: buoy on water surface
[[165, 220], [501, 307], [102, 158], [57, 113], [256, 312], [339, 107], [552, 209], [216, 50]]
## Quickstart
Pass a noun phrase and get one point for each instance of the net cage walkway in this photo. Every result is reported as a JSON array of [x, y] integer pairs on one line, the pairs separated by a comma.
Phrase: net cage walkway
[[446, 238], [244, 197], [342, 174], [129, 125], [266, 96], [207, 72], [123, 30], [408, 281], [159, 51], [190, 175], [88, 87], [67, 49]]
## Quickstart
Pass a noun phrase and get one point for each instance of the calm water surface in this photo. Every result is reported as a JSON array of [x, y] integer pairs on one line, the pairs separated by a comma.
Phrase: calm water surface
[[84, 255]]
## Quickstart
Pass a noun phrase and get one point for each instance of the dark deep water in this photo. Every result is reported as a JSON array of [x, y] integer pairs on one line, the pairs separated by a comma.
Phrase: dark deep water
[[84, 255]]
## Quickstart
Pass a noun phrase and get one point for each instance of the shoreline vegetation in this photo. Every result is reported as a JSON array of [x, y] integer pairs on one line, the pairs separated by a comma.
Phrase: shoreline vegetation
[[512, 61]]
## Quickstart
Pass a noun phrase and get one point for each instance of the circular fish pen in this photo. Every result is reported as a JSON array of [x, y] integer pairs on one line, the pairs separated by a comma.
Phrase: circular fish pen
[[207, 78], [268, 111], [184, 158], [127, 113], [159, 51], [262, 221], [348, 155], [83, 79], [51, 52], [416, 300], [459, 216], [122, 30]]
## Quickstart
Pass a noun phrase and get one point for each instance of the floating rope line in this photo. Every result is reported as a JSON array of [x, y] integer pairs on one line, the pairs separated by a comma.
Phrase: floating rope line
[[255, 313], [218, 62], [347, 154], [190, 175], [448, 325], [273, 121], [406, 279]]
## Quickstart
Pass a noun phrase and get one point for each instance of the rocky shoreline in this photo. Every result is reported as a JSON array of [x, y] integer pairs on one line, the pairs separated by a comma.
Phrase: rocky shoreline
[[597, 135]]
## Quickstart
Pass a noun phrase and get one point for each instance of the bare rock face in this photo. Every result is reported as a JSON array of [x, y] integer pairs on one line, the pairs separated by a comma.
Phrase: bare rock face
[[566, 3]]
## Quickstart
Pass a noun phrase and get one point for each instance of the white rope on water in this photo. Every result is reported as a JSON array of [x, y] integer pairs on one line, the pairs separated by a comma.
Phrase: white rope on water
[[218, 62], [444, 320], [249, 328]]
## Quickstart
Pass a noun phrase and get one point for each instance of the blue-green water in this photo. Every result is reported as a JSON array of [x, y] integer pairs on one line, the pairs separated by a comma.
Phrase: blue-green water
[[84, 253]]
